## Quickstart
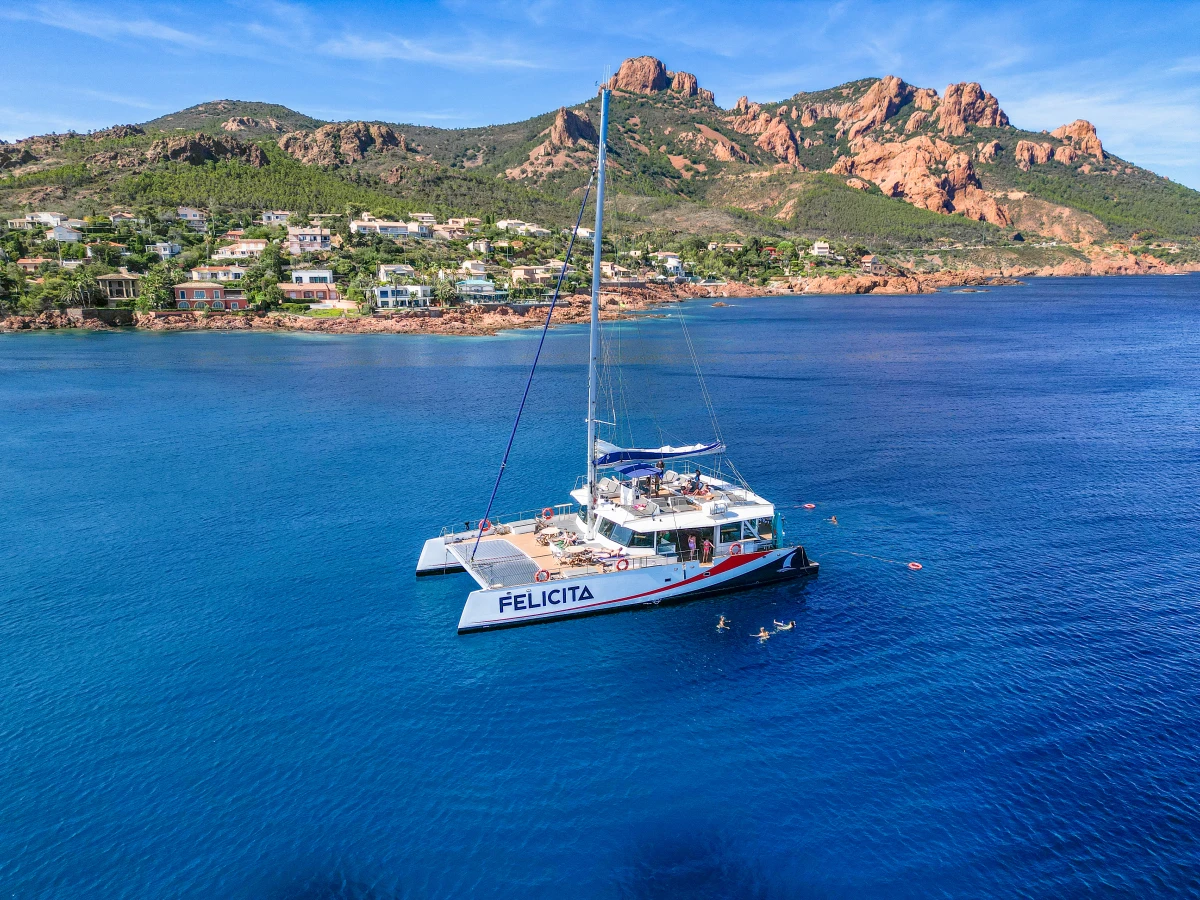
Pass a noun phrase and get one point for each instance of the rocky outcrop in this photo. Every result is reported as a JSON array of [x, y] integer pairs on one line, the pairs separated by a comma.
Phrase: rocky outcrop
[[12, 155], [780, 141], [988, 151], [925, 172], [1065, 155], [571, 128], [743, 104], [1029, 153], [916, 122], [118, 131], [966, 104], [879, 104], [244, 123], [1081, 134], [345, 142], [641, 75], [925, 98], [721, 147], [197, 149]]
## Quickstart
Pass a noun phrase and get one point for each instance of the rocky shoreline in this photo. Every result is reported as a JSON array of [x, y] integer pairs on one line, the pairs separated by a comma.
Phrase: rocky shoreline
[[570, 310]]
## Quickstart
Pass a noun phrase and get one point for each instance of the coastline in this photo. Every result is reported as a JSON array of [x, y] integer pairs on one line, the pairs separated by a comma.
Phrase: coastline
[[572, 309]]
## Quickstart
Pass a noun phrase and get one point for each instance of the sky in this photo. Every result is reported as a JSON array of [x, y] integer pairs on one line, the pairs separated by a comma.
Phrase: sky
[[1133, 69]]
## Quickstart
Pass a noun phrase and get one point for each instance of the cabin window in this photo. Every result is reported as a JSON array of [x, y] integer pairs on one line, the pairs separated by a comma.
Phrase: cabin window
[[731, 532], [668, 542], [641, 540], [605, 528], [758, 528]]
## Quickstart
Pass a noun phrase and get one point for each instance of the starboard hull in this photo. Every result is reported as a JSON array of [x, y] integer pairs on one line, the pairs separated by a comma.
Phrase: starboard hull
[[593, 594]]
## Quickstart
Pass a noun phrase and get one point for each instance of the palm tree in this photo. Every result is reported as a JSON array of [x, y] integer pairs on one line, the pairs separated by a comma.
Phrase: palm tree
[[80, 288]]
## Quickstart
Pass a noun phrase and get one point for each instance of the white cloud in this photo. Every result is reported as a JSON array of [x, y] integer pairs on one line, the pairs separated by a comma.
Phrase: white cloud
[[393, 47]]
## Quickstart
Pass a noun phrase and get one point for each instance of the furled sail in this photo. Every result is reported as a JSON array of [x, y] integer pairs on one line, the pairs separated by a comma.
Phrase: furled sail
[[610, 454]]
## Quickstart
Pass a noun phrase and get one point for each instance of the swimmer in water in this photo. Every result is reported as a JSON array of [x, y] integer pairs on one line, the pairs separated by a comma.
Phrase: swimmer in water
[[833, 520], [784, 626], [762, 635], [722, 625]]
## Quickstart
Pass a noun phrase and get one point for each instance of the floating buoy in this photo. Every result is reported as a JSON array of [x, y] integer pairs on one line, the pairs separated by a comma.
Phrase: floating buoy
[[810, 506], [542, 575], [915, 566]]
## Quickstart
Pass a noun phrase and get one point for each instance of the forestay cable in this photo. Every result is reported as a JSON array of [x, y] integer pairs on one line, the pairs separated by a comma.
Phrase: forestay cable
[[536, 356]]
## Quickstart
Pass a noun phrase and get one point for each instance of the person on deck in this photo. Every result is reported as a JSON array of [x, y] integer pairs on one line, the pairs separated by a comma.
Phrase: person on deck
[[691, 546], [708, 549]]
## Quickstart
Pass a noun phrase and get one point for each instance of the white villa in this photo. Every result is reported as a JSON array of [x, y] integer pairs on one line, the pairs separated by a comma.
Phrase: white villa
[[404, 296], [219, 273], [276, 216], [167, 249], [388, 271], [821, 248]]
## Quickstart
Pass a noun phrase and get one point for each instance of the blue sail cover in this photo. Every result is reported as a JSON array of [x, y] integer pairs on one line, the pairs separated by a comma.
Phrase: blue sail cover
[[639, 470], [611, 454]]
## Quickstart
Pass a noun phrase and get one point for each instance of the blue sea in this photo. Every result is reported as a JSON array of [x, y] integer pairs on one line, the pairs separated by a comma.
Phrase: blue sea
[[222, 679]]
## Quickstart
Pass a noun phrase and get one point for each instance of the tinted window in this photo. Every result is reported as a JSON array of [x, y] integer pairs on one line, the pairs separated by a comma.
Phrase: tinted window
[[605, 528], [668, 541], [641, 539], [621, 535], [731, 532]]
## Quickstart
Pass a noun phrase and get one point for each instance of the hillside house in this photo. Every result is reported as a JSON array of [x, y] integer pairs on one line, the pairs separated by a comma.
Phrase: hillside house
[[482, 246], [425, 218], [247, 248], [205, 295], [464, 222], [473, 267], [166, 249], [368, 224], [123, 218], [192, 217], [448, 232], [307, 240], [584, 234], [95, 249], [121, 285], [529, 275], [312, 276], [531, 229], [821, 248], [479, 290], [669, 262], [873, 265], [34, 220], [321, 295], [403, 296], [64, 234], [510, 224], [30, 264], [276, 216], [219, 273], [389, 271]]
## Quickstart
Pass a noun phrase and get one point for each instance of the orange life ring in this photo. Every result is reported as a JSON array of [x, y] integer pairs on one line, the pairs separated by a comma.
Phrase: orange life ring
[[915, 566], [735, 550], [810, 506], [485, 526], [548, 513], [543, 575], [622, 564]]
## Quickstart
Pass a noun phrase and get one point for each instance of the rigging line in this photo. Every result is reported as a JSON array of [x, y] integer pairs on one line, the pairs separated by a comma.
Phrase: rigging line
[[712, 415], [536, 356]]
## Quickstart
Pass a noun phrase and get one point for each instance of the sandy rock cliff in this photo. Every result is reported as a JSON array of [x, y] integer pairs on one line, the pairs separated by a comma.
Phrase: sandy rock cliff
[[348, 141], [200, 148]]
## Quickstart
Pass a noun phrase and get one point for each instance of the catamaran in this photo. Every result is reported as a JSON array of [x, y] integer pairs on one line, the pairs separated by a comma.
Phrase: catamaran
[[645, 525]]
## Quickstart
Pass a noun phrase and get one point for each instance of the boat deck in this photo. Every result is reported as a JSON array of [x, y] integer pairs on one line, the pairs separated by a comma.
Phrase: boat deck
[[506, 560]]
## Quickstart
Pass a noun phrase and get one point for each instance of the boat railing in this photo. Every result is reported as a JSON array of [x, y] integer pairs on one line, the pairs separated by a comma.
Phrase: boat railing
[[470, 527]]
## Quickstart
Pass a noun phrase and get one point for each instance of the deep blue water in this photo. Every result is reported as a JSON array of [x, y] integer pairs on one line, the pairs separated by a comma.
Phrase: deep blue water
[[221, 679]]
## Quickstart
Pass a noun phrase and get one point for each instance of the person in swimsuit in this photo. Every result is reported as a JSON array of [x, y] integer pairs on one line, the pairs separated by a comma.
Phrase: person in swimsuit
[[762, 635], [784, 626], [722, 625], [708, 549]]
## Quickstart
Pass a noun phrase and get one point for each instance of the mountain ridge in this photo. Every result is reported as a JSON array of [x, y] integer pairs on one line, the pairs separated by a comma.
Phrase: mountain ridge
[[836, 160]]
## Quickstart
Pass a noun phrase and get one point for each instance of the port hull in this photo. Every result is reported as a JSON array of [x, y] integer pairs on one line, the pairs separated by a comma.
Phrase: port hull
[[594, 594]]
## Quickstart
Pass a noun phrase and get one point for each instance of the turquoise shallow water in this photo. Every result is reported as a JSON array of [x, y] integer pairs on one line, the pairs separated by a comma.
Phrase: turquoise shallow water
[[221, 679]]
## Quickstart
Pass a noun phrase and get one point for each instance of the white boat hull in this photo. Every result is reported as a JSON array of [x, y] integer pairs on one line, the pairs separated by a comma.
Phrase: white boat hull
[[599, 593]]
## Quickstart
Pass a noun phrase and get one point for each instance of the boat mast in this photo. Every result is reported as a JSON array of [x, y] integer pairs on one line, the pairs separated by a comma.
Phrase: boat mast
[[594, 351]]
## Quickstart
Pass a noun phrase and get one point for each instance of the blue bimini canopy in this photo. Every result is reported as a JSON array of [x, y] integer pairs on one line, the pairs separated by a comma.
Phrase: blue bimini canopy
[[639, 470], [610, 454]]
